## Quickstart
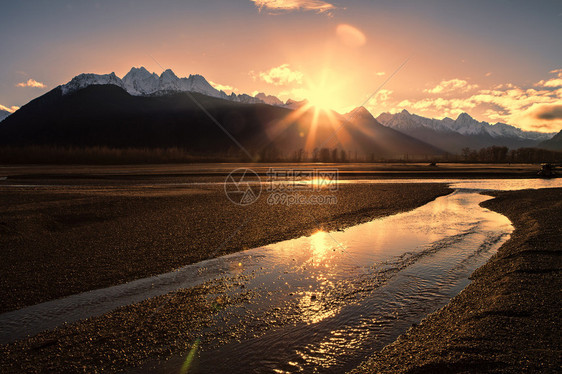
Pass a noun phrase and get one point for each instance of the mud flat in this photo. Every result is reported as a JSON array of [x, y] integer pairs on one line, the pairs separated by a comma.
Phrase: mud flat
[[508, 319], [61, 240]]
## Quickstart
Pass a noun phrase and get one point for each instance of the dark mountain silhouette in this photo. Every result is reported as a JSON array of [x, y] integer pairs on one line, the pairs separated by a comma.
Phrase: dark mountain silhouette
[[454, 135], [4, 114], [106, 115], [386, 140], [554, 144]]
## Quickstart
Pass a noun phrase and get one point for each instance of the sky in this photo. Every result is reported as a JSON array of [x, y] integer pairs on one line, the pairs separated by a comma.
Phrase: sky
[[498, 60]]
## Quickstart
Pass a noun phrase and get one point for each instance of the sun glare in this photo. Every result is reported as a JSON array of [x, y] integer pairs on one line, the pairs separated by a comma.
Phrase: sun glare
[[324, 93], [321, 98]]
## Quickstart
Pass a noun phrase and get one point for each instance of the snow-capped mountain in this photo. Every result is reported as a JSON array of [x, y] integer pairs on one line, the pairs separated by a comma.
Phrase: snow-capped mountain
[[84, 80], [453, 135], [140, 82], [293, 104], [4, 114], [269, 99], [554, 144], [464, 124]]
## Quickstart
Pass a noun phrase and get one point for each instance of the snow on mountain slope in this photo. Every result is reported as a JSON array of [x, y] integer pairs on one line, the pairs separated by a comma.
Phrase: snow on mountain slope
[[4, 114], [140, 82], [269, 99], [464, 124], [85, 80]]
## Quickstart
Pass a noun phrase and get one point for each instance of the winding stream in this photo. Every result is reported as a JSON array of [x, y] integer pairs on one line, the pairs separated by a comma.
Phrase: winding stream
[[337, 296]]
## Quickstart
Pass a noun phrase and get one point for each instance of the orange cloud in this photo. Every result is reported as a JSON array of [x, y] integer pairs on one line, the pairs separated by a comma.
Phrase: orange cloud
[[549, 112], [11, 109], [351, 36], [222, 87], [527, 108], [280, 76], [451, 86], [381, 97], [317, 6], [31, 83]]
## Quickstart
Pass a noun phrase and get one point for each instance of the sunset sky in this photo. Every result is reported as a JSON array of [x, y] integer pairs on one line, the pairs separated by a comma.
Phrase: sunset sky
[[498, 60]]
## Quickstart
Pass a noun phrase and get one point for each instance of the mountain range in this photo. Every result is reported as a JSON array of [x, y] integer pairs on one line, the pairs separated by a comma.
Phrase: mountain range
[[554, 144], [140, 82], [105, 113], [4, 114], [454, 135], [145, 109]]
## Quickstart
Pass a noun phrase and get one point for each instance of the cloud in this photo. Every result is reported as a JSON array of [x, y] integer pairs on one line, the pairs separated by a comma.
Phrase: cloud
[[452, 85], [317, 6], [446, 107], [381, 97], [11, 109], [549, 112], [280, 76], [350, 36], [532, 107], [380, 73], [222, 87], [553, 82], [31, 83]]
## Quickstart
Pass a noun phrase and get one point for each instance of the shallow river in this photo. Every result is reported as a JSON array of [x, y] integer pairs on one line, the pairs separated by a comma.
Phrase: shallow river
[[336, 296]]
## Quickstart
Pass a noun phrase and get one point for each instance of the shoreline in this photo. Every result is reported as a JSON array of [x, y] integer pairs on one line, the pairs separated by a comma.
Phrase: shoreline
[[100, 343], [63, 241], [133, 335], [507, 319]]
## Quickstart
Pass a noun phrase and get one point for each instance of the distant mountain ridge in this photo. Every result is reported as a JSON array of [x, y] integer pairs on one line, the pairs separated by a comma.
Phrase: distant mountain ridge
[[454, 135], [140, 82], [554, 144], [108, 115], [4, 114]]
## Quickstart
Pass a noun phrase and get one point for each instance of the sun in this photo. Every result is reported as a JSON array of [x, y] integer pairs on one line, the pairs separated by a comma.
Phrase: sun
[[324, 93], [322, 96]]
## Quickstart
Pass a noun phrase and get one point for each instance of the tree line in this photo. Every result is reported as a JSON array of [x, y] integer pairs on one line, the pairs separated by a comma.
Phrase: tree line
[[497, 154]]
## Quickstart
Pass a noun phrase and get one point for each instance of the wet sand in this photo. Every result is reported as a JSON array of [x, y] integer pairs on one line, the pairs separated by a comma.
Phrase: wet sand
[[508, 319], [62, 240]]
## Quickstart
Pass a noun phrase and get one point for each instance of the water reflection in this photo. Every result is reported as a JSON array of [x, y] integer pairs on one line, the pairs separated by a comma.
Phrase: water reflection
[[349, 292], [327, 300]]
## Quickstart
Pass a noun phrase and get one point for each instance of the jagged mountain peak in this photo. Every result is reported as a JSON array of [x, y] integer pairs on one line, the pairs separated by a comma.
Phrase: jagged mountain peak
[[464, 116], [359, 112], [465, 131], [268, 99]]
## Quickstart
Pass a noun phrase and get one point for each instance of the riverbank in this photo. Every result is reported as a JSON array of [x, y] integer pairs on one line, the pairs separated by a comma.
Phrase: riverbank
[[508, 319], [62, 240]]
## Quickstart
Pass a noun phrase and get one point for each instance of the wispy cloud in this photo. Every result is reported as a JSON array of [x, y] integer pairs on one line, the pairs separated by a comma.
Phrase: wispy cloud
[[538, 107], [553, 82], [317, 6], [451, 85], [549, 112], [222, 87], [279, 76], [31, 83], [11, 109], [381, 97], [350, 35]]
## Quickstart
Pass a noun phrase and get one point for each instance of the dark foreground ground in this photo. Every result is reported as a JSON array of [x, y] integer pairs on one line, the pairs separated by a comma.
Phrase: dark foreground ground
[[508, 319], [80, 235]]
